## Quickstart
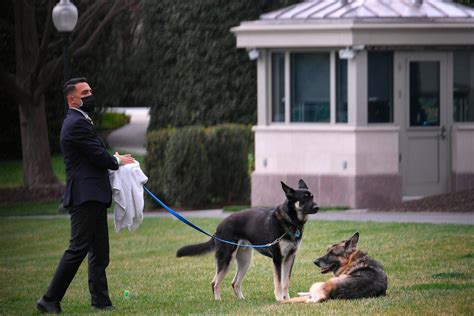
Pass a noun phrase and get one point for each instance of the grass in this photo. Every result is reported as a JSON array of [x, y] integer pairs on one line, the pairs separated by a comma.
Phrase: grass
[[11, 171], [11, 175], [30, 208], [113, 120], [430, 270]]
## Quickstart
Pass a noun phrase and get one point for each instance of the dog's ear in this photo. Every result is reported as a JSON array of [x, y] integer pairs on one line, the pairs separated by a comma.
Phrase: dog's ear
[[289, 192], [302, 185], [351, 243]]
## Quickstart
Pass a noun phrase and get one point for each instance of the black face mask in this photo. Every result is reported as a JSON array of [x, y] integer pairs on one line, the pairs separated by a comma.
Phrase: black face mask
[[88, 104]]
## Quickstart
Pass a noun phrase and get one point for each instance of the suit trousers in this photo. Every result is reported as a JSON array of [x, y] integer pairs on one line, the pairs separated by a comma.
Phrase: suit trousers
[[89, 235]]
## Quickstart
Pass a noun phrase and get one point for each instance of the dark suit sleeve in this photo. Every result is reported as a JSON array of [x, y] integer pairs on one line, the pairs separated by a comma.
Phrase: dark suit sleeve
[[88, 143]]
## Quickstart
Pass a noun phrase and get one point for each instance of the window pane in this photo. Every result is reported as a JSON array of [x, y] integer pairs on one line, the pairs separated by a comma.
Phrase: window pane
[[310, 87], [278, 87], [424, 93], [380, 84], [463, 88], [341, 90]]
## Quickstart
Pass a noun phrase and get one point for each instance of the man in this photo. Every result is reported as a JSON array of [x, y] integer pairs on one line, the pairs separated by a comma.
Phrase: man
[[87, 196]]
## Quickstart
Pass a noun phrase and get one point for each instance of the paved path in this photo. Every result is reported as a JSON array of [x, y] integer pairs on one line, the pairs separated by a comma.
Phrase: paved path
[[131, 138], [350, 215], [354, 215]]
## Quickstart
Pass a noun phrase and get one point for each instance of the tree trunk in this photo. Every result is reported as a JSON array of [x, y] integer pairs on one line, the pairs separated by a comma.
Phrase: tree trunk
[[34, 132], [37, 168]]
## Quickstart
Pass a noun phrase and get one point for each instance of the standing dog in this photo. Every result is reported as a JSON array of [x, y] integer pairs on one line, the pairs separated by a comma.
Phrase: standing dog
[[260, 226], [355, 274]]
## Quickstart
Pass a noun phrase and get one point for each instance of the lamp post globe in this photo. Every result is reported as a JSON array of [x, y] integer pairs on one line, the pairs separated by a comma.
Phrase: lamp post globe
[[64, 16]]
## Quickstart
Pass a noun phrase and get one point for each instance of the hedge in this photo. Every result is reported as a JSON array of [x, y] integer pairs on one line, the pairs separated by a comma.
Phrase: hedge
[[193, 56], [200, 167]]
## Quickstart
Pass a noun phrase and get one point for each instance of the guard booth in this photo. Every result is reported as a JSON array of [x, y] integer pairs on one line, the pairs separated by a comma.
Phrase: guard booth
[[367, 101]]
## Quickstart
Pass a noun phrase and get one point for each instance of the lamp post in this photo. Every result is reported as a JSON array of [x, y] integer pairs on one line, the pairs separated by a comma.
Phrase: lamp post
[[65, 19]]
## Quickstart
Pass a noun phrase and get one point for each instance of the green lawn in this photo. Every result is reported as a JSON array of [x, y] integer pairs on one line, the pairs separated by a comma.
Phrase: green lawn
[[11, 171], [430, 270], [30, 208]]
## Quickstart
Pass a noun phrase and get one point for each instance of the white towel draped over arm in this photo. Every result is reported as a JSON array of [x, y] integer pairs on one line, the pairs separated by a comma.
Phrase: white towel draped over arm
[[127, 192]]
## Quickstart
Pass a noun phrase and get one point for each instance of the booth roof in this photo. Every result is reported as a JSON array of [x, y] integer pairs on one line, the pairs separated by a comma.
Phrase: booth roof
[[366, 10]]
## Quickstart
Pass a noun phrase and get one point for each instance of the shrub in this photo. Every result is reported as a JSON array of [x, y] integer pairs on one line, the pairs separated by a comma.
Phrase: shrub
[[227, 148], [186, 169], [196, 166], [155, 161]]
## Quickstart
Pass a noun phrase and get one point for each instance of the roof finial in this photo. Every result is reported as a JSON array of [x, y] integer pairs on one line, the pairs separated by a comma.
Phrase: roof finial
[[418, 2]]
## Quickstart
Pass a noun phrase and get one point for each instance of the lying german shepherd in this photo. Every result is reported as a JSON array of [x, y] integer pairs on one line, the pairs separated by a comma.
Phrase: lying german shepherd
[[260, 226], [355, 275]]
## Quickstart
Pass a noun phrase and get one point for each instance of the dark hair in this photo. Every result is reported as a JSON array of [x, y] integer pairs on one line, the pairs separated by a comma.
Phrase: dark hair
[[70, 85]]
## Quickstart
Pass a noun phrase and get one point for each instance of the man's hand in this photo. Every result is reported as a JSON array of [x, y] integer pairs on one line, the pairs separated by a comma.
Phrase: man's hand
[[124, 159]]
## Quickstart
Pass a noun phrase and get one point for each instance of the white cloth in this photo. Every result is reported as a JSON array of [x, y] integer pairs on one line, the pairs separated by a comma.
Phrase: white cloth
[[127, 192]]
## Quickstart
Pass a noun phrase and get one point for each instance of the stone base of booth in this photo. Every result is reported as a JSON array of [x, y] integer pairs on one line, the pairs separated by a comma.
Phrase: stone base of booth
[[370, 191], [462, 181]]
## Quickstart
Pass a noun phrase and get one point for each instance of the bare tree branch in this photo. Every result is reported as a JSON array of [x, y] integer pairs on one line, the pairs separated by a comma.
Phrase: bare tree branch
[[87, 22], [53, 67], [45, 40], [94, 37], [47, 74]]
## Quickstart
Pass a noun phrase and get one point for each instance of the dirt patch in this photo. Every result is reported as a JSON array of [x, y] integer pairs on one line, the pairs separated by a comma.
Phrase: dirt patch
[[23, 194], [462, 201]]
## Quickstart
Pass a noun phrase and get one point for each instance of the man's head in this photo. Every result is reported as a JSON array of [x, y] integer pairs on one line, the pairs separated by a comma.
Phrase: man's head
[[74, 90]]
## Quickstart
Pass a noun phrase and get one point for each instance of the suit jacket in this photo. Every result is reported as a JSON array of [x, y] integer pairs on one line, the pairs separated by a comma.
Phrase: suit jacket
[[87, 162]]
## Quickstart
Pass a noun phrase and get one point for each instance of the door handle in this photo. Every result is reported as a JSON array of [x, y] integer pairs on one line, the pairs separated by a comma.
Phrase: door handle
[[443, 132]]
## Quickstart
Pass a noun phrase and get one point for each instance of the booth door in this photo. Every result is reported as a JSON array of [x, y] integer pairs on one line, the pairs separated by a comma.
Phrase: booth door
[[424, 127]]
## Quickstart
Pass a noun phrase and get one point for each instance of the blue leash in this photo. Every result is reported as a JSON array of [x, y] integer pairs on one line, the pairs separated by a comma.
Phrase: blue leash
[[184, 220]]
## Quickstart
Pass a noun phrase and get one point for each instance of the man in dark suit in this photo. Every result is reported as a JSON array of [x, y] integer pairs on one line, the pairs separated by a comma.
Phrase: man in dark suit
[[87, 196]]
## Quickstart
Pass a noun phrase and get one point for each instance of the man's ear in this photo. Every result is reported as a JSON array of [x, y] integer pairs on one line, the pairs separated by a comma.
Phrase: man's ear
[[302, 185], [289, 192], [351, 243]]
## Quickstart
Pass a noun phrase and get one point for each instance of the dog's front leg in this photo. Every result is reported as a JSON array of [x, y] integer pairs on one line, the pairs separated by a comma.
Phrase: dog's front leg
[[277, 279], [318, 292], [286, 268]]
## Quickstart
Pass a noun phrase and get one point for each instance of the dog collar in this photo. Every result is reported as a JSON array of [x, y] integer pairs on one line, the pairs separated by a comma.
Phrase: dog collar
[[297, 234]]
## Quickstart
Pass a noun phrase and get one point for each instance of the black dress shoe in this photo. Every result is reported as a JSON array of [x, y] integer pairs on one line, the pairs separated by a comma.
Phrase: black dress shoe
[[107, 308], [48, 307]]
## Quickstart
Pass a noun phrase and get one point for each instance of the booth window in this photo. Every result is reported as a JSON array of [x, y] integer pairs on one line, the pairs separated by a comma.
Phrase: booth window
[[463, 86], [310, 80], [424, 94], [278, 87], [341, 90], [380, 87]]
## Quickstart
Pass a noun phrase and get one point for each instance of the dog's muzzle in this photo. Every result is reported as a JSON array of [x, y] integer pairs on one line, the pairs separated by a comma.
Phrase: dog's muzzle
[[314, 210]]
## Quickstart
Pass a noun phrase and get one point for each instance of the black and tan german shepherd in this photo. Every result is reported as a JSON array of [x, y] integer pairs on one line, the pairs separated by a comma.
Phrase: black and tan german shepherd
[[260, 226], [355, 275]]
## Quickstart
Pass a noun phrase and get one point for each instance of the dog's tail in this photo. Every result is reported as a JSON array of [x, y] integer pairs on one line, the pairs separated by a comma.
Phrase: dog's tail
[[196, 250]]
